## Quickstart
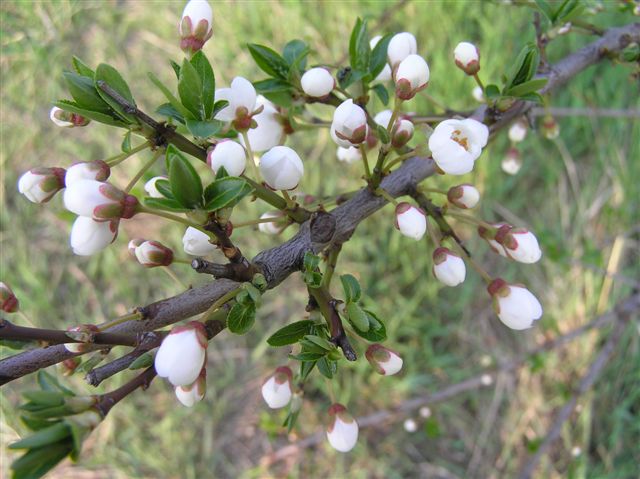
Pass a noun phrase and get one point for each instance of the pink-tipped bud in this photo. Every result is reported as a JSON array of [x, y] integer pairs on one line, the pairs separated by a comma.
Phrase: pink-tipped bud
[[100, 201], [550, 128], [448, 268], [277, 389], [411, 220], [89, 236], [463, 196], [281, 168], [512, 161], [229, 155], [196, 26], [39, 185], [467, 58], [151, 254], [83, 333], [182, 354], [515, 305], [66, 119], [87, 170], [8, 300], [383, 360], [349, 125], [133, 244], [342, 431], [489, 235], [194, 392], [520, 244], [411, 77], [400, 47]]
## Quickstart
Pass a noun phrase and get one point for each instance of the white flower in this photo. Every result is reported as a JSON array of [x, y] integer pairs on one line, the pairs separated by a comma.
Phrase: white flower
[[98, 200], [196, 243], [400, 47], [515, 305], [348, 155], [425, 412], [489, 235], [342, 431], [512, 162], [383, 360], [467, 58], [448, 268], [457, 144], [230, 155], [182, 354], [193, 393], [277, 390], [152, 189], [410, 425], [349, 126], [196, 26], [272, 227], [383, 118], [39, 185], [153, 253], [519, 244], [270, 130], [411, 77], [317, 82], [411, 221], [242, 102], [89, 236], [281, 168], [518, 131], [8, 301], [478, 94], [66, 119], [464, 196], [385, 74], [90, 170]]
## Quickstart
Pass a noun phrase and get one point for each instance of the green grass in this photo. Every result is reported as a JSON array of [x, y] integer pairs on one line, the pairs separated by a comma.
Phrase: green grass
[[578, 194]]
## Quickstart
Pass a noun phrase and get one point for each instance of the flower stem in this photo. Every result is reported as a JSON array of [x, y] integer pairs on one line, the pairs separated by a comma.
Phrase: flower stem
[[256, 222], [382, 192], [176, 218], [144, 169], [399, 159], [470, 220], [225, 298], [365, 161], [432, 234], [424, 189], [478, 81], [332, 259], [433, 101], [116, 160], [290, 203], [249, 152], [172, 275], [120, 320], [475, 265]]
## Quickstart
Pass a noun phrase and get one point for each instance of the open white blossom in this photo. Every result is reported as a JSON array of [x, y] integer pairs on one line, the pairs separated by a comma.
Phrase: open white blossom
[[457, 144]]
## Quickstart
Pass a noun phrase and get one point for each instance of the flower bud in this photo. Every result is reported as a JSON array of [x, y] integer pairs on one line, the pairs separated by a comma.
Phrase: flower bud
[[410, 425], [100, 201], [281, 168], [242, 102], [564, 29], [132, 245], [550, 128], [411, 220], [448, 268], [153, 253], [518, 131], [40, 184], [400, 47], [348, 155], [515, 305], [489, 235], [411, 77], [349, 126], [196, 243], [277, 389], [519, 244], [463, 196], [87, 170], [83, 333], [69, 365], [512, 161], [317, 82], [269, 131], [196, 26], [152, 189], [467, 58], [193, 393], [89, 236], [342, 431], [402, 130], [456, 144], [228, 154], [182, 354], [478, 94], [8, 300], [272, 227], [66, 119], [383, 360], [385, 74]]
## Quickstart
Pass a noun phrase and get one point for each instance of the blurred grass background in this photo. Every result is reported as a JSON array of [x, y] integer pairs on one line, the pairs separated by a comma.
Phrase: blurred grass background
[[579, 194]]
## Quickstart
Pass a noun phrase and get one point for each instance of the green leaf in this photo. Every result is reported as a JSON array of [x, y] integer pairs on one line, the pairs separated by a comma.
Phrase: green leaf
[[219, 105], [349, 76], [167, 109], [164, 187], [254, 295], [204, 129], [290, 334], [534, 97], [492, 92], [190, 90], [291, 419], [295, 54], [531, 86], [125, 146], [44, 437], [357, 317], [525, 66], [48, 382], [175, 103], [208, 80], [226, 192], [37, 462], [176, 68], [432, 428], [166, 204], [305, 369], [186, 185], [241, 317], [82, 68], [313, 279], [383, 134], [307, 356], [105, 118], [311, 261], [45, 398], [545, 8], [275, 89], [83, 91], [90, 363], [269, 61], [377, 331], [379, 56], [327, 367], [110, 76], [359, 50], [143, 361], [321, 342], [351, 287], [380, 90]]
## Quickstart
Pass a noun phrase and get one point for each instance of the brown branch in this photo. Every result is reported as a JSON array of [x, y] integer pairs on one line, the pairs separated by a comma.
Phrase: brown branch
[[234, 271], [320, 298], [110, 399], [633, 113]]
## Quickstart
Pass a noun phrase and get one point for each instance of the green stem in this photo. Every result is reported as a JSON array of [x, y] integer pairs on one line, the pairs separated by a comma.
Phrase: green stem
[[433, 101], [144, 169], [173, 276], [470, 220], [478, 81], [332, 260], [432, 233], [479, 269], [249, 152], [120, 320], [399, 159], [116, 160], [176, 218], [256, 222], [386, 196], [225, 298], [290, 203], [365, 161], [424, 189]]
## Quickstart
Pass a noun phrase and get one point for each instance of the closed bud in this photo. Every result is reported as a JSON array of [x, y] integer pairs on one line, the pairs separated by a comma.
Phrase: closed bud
[[489, 235], [133, 244], [274, 227], [39, 185], [100, 201], [349, 126], [520, 244], [317, 82], [401, 133], [400, 47], [518, 131], [478, 94], [242, 103], [153, 253], [349, 155], [512, 161], [270, 129], [342, 431], [383, 360], [69, 365], [87, 170], [152, 188], [89, 236], [448, 268], [83, 333], [194, 392], [456, 144], [411, 220], [550, 128], [411, 77], [467, 58], [196, 25], [410, 425], [196, 243], [181, 356], [66, 119], [281, 168], [277, 389], [385, 74], [8, 300], [463, 196], [515, 305], [228, 154]]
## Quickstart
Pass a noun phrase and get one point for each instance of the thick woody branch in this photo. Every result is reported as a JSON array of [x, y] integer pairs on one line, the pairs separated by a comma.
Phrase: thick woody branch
[[108, 400]]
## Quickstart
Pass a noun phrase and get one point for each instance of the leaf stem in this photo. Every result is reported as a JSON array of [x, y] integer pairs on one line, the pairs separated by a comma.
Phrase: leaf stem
[[365, 161], [382, 192], [176, 218], [144, 169]]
